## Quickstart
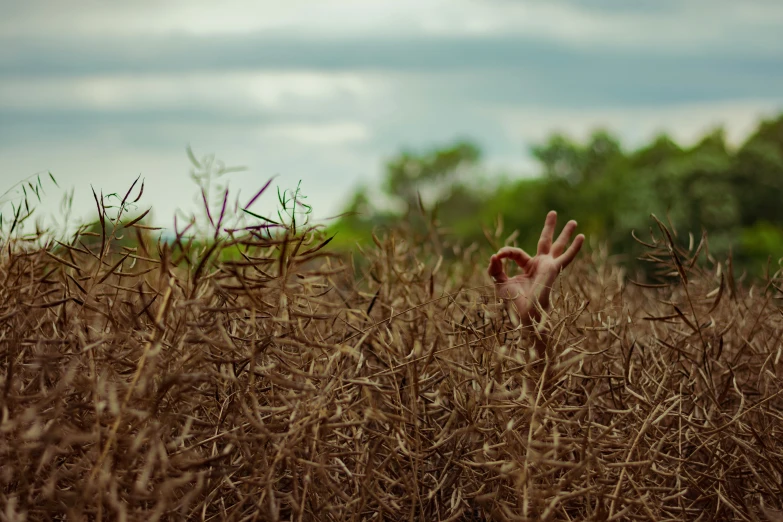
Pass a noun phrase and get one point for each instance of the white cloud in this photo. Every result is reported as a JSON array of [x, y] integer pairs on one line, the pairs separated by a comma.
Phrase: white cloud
[[327, 171], [91, 17], [332, 128], [231, 90], [684, 122], [332, 157], [690, 25], [330, 133], [696, 24]]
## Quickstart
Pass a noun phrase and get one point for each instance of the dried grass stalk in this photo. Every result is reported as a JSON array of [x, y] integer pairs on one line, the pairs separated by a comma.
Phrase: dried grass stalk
[[259, 378]]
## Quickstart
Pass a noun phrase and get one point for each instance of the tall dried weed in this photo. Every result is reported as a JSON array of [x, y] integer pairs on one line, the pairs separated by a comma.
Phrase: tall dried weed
[[258, 376]]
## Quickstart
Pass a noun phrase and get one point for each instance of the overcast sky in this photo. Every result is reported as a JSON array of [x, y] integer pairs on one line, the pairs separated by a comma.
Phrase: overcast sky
[[322, 91]]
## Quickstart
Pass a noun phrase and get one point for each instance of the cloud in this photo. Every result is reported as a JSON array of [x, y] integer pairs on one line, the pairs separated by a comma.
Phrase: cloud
[[493, 71], [685, 122], [50, 57], [323, 90], [332, 133], [326, 169], [639, 24], [252, 90]]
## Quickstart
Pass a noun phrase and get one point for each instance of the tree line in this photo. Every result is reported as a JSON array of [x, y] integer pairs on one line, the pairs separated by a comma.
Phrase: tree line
[[734, 193]]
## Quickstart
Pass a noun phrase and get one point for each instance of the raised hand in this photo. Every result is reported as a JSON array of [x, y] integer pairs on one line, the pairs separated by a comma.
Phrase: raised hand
[[534, 285]]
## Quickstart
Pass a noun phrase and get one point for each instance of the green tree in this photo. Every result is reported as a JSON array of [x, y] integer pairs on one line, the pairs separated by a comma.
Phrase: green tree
[[736, 195], [429, 175]]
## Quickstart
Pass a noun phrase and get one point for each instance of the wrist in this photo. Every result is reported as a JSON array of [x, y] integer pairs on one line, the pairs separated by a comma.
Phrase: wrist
[[526, 311]]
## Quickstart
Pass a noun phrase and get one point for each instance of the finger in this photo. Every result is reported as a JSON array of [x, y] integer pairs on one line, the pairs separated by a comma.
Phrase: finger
[[562, 240], [495, 269], [545, 243], [572, 251], [519, 256]]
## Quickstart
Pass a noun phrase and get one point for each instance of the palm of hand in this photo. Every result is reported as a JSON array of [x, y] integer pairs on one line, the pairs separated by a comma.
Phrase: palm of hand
[[535, 281], [532, 287]]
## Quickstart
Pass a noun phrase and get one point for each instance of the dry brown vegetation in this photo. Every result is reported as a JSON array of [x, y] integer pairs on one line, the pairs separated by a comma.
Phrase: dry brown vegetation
[[168, 381]]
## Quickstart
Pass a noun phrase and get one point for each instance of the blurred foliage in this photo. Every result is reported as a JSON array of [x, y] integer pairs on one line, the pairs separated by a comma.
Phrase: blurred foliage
[[735, 194]]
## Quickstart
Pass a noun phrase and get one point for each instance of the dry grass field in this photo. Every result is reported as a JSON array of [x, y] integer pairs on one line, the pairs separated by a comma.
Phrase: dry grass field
[[261, 376]]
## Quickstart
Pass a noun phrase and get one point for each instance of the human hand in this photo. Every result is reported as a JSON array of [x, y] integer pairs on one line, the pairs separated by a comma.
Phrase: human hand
[[534, 285]]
